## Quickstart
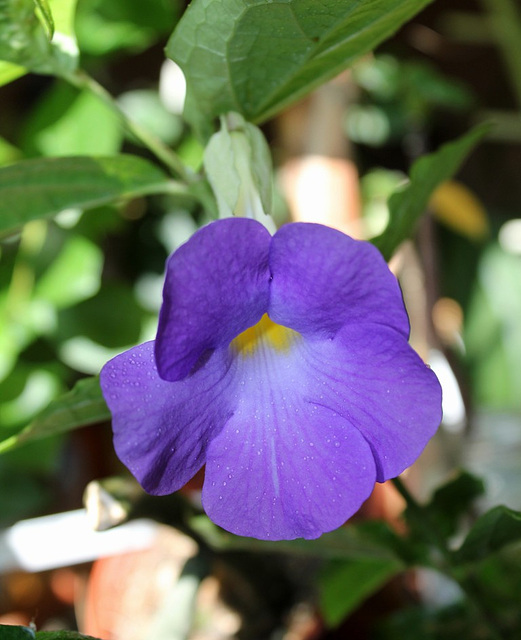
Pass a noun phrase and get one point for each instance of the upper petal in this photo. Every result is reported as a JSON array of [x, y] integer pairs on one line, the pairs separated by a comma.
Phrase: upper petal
[[323, 279], [284, 466], [217, 285], [373, 378], [162, 429]]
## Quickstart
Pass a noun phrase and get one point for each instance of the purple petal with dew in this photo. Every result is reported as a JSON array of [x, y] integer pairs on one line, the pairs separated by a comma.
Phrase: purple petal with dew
[[323, 279], [162, 429], [370, 375], [284, 466], [217, 285]]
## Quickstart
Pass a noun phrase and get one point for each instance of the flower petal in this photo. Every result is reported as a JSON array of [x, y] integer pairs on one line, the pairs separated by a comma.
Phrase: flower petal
[[284, 467], [217, 285], [323, 279], [162, 429], [373, 378]]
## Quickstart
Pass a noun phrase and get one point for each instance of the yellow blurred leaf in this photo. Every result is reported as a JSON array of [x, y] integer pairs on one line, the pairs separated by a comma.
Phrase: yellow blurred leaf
[[456, 206]]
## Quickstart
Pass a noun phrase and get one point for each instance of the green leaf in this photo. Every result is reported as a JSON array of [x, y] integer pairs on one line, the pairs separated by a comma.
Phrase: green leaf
[[452, 500], [47, 19], [11, 632], [409, 203], [370, 540], [22, 36], [99, 318], [10, 72], [64, 12], [8, 153], [39, 188], [79, 407], [258, 56], [24, 40], [345, 585], [105, 27], [457, 621], [491, 532], [62, 123], [73, 276], [501, 573]]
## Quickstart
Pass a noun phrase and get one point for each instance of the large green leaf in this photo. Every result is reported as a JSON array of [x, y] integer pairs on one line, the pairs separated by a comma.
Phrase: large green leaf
[[79, 407], [491, 532], [345, 585], [43, 187], [409, 203], [258, 56]]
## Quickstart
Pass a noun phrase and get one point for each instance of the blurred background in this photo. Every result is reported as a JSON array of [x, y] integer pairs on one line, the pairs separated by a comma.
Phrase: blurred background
[[81, 288]]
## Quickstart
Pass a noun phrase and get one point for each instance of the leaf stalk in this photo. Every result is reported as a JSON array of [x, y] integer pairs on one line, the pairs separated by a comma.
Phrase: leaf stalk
[[82, 80]]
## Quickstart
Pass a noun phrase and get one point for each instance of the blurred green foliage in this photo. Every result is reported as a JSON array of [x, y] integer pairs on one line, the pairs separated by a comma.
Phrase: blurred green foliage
[[400, 97]]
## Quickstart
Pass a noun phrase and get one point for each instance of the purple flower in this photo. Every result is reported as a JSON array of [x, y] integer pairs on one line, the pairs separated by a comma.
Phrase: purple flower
[[281, 363]]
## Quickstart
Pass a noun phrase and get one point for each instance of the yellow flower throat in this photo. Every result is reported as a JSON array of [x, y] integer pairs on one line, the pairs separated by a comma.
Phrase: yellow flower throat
[[265, 333]]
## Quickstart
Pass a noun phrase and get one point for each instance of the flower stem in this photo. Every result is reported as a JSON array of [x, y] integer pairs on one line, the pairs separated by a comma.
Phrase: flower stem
[[424, 525], [82, 80]]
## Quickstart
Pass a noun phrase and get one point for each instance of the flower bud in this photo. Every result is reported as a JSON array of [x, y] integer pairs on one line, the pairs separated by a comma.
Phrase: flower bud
[[238, 165]]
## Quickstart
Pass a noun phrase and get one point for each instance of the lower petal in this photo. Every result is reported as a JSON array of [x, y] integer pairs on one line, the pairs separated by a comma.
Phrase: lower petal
[[372, 377], [284, 467], [162, 429]]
